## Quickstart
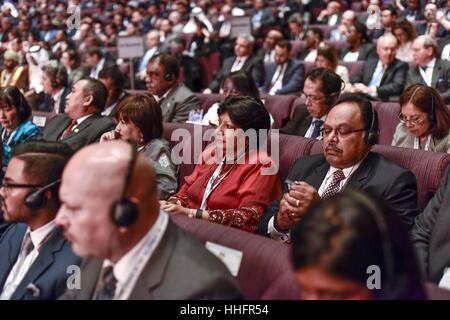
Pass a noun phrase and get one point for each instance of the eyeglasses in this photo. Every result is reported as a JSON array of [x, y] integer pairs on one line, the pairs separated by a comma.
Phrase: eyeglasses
[[312, 98], [342, 132], [8, 186], [414, 120]]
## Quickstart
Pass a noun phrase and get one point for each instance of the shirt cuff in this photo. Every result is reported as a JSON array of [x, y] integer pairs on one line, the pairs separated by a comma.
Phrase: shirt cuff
[[277, 235]]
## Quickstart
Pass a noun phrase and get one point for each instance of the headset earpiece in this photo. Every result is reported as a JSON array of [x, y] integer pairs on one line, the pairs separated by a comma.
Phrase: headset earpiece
[[36, 198], [168, 77], [125, 212]]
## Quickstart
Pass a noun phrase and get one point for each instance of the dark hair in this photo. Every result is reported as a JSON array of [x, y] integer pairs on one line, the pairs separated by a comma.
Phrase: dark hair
[[328, 52], [368, 114], [246, 112], [57, 73], [331, 82], [317, 32], [44, 161], [73, 55], [405, 25], [391, 8], [14, 98], [95, 51], [168, 62], [350, 231], [244, 83], [113, 72], [426, 99], [362, 30], [98, 90], [285, 44], [143, 111], [295, 18]]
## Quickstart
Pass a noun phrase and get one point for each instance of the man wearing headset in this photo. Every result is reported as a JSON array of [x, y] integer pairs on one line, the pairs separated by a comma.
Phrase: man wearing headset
[[132, 249], [351, 128], [35, 255], [322, 88], [54, 81], [175, 99]]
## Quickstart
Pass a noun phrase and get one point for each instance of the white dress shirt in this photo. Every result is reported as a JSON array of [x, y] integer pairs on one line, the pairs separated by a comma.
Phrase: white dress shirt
[[277, 79], [238, 63], [20, 269], [95, 71], [57, 99], [310, 130], [427, 75]]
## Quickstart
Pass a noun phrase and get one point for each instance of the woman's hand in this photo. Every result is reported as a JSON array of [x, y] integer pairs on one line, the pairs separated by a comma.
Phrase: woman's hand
[[174, 208], [110, 135]]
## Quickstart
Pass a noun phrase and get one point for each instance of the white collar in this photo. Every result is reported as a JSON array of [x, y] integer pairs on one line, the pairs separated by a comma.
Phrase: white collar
[[81, 119], [158, 98], [430, 65], [38, 236], [58, 94]]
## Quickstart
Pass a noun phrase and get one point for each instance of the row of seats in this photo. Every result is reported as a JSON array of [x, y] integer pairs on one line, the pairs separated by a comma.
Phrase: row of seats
[[428, 167]]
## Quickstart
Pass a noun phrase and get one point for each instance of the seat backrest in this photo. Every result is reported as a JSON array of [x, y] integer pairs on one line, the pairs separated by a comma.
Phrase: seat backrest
[[387, 116], [265, 272], [354, 68], [326, 29], [280, 107], [207, 100], [309, 66], [338, 45], [297, 46], [41, 118]]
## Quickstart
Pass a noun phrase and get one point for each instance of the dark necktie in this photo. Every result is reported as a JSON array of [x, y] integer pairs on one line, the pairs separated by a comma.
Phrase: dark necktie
[[108, 282], [68, 130], [27, 246], [52, 105], [316, 130], [333, 187]]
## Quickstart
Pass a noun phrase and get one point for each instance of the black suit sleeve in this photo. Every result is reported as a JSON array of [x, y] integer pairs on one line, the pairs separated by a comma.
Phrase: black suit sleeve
[[424, 224], [295, 83], [257, 72], [295, 125]]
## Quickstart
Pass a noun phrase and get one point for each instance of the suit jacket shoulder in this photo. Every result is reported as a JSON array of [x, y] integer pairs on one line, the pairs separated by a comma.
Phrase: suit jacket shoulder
[[300, 122], [178, 103]]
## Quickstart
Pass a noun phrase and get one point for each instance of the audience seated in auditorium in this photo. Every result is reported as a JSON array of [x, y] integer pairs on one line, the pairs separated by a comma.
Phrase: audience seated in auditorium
[[360, 47], [152, 43], [327, 58], [55, 83], [405, 33], [96, 61], [114, 82], [118, 220], [340, 33], [424, 120], [82, 122], [15, 126], [13, 74], [70, 60], [350, 130], [285, 75], [431, 27], [235, 181], [388, 16], [430, 235], [429, 69], [139, 120], [351, 246], [244, 59], [382, 77], [175, 99], [35, 254], [261, 18], [413, 11], [322, 88], [331, 15], [296, 27]]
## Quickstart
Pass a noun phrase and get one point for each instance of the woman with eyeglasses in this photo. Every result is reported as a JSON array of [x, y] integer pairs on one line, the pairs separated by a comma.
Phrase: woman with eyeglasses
[[424, 120], [234, 182], [15, 126]]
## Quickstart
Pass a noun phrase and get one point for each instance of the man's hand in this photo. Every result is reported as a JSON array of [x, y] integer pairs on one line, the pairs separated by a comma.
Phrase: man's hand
[[295, 203]]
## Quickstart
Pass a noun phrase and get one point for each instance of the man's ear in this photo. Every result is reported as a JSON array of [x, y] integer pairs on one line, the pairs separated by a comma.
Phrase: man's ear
[[88, 100]]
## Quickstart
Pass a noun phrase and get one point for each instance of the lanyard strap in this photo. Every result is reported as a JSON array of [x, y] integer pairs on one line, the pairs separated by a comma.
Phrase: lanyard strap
[[427, 144], [209, 187]]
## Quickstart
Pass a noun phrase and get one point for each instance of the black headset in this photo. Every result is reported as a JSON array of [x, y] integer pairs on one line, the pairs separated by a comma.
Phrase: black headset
[[36, 199], [125, 212], [371, 136]]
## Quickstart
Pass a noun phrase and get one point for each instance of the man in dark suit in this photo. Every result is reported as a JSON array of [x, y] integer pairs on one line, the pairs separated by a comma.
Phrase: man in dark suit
[[429, 69], [82, 122], [350, 129], [55, 82], [388, 16], [175, 99], [383, 77], [285, 75], [244, 60], [431, 233], [114, 82], [431, 27], [322, 88], [267, 52], [134, 250], [413, 12], [35, 256], [261, 18]]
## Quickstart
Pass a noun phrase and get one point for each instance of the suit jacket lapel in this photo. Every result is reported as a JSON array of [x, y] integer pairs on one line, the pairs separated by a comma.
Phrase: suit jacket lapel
[[360, 176], [42, 262], [390, 68], [317, 176], [13, 248], [436, 72], [168, 101], [371, 70], [83, 125], [153, 273]]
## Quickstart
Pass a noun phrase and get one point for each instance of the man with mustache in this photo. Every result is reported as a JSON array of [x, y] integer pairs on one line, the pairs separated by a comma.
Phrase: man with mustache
[[351, 128], [34, 255]]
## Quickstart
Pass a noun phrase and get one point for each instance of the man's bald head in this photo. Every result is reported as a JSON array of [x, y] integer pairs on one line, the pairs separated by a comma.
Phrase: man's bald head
[[93, 181]]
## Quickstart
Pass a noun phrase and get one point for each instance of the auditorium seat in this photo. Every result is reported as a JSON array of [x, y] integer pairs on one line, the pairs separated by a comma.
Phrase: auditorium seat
[[280, 107], [207, 100], [297, 46], [338, 45], [326, 29], [41, 118], [309, 66], [265, 272], [388, 118], [354, 68]]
